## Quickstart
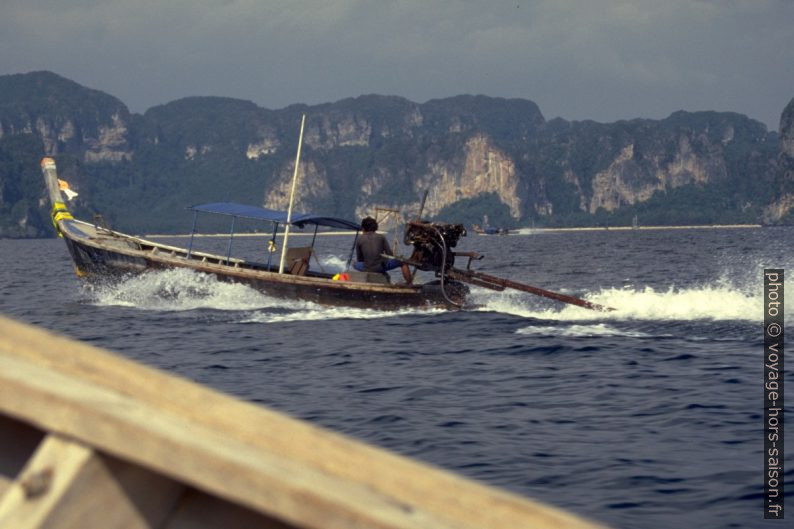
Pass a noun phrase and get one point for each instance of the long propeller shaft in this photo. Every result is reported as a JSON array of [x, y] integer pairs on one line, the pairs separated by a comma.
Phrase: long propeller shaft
[[498, 283]]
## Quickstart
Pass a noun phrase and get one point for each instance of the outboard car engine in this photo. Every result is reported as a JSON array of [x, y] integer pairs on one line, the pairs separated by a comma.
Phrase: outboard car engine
[[433, 243]]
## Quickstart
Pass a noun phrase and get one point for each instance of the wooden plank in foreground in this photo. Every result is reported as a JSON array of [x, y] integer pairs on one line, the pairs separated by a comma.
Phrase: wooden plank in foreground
[[209, 459], [67, 484], [18, 441]]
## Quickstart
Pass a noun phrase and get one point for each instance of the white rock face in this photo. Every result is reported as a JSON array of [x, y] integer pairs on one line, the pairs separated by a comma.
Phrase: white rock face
[[111, 145], [312, 185], [263, 148], [629, 180], [481, 168]]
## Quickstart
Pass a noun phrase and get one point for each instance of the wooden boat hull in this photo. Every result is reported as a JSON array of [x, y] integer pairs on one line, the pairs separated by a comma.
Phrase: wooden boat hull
[[107, 256]]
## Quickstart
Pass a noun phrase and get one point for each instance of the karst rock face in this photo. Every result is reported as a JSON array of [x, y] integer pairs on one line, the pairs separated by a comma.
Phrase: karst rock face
[[782, 207], [378, 151], [66, 116]]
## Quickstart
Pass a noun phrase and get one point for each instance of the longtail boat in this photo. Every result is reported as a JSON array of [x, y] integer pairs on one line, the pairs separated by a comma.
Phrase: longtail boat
[[103, 253]]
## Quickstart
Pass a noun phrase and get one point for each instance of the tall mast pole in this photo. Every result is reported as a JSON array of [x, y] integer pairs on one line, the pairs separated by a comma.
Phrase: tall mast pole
[[291, 198]]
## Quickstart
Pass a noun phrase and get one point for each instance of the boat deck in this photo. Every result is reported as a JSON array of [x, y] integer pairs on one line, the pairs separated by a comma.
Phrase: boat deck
[[113, 240]]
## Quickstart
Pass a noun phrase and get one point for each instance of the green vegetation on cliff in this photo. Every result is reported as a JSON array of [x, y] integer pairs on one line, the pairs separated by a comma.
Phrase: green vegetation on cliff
[[472, 211], [20, 186], [141, 171]]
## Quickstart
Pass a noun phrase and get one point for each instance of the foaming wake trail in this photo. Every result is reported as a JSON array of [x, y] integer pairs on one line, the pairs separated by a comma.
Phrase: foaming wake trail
[[183, 290], [581, 330], [718, 302], [179, 290], [701, 303], [315, 312], [333, 263]]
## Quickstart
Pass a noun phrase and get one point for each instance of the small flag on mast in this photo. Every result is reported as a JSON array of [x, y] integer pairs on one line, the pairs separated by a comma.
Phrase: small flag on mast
[[63, 185]]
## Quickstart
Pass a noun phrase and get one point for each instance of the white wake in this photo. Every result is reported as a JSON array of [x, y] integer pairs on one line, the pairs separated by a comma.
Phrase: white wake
[[184, 290], [713, 302]]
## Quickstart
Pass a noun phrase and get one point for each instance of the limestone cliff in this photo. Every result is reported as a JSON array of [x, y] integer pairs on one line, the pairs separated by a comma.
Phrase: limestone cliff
[[339, 130], [106, 142], [360, 153], [634, 177], [783, 204], [787, 135], [66, 116], [311, 187], [480, 168], [111, 143], [267, 143], [606, 169]]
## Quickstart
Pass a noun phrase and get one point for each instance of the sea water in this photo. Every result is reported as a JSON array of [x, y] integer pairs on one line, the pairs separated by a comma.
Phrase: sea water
[[648, 416]]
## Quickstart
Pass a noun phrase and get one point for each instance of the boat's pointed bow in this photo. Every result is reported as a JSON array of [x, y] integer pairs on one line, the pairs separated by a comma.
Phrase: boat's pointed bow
[[59, 210], [51, 179]]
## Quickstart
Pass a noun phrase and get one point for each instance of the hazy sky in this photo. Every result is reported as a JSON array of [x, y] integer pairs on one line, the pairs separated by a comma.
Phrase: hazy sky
[[577, 59]]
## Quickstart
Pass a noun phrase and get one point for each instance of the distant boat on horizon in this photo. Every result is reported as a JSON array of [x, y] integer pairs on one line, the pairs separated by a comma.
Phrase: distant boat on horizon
[[487, 229]]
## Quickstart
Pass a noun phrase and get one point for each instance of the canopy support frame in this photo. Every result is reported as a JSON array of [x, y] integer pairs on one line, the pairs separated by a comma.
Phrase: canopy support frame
[[271, 246], [192, 233], [352, 251], [229, 247]]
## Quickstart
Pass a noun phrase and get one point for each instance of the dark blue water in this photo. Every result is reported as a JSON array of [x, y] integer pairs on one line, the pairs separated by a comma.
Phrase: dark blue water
[[646, 417]]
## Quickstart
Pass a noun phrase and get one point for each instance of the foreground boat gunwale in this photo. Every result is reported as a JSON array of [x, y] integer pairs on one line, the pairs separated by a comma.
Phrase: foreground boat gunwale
[[122, 416]]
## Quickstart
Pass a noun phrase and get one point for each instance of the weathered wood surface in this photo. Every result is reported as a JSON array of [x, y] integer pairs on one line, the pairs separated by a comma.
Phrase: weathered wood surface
[[101, 441]]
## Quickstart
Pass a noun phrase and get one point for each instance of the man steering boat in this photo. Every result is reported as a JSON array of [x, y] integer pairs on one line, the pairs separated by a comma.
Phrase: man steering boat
[[369, 249]]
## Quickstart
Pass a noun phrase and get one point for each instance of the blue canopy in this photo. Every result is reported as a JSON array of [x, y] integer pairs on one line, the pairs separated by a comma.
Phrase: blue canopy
[[253, 212]]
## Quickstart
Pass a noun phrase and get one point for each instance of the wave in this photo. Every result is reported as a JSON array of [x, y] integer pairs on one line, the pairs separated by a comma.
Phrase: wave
[[179, 290], [333, 263], [321, 312], [183, 290], [717, 302], [579, 330]]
